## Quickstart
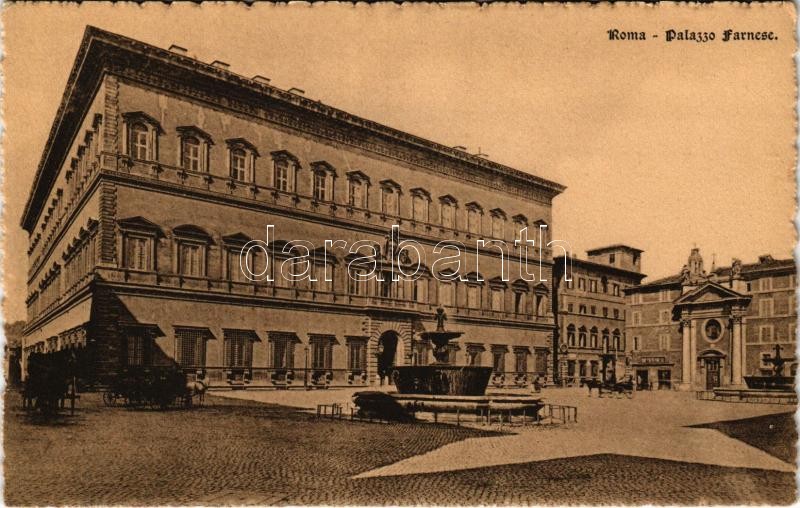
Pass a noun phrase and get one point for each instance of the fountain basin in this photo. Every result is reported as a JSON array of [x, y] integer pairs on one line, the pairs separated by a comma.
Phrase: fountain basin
[[441, 380], [777, 383]]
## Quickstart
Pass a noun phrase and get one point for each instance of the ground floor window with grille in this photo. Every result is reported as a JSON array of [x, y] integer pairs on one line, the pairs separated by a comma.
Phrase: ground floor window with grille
[[541, 361], [421, 353], [138, 347], [521, 361], [474, 354], [498, 360], [357, 354], [190, 347], [282, 350], [322, 352], [238, 353]]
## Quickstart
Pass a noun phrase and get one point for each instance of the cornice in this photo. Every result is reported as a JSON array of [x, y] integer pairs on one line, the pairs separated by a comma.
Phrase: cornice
[[102, 51]]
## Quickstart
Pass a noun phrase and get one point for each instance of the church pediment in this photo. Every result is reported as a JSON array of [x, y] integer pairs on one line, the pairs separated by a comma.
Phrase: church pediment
[[710, 292]]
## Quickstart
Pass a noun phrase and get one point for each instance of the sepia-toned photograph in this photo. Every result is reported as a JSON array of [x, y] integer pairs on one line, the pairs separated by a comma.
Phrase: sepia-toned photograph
[[399, 254]]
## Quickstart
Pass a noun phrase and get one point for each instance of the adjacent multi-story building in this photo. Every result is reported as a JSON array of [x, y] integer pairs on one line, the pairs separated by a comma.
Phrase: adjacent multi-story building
[[699, 330], [589, 302], [159, 168]]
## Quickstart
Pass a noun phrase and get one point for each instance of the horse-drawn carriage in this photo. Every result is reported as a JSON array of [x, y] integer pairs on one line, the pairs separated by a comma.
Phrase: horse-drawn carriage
[[619, 388], [50, 381], [155, 387]]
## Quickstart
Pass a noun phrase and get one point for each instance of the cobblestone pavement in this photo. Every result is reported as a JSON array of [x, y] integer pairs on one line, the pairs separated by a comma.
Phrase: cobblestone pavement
[[241, 452]]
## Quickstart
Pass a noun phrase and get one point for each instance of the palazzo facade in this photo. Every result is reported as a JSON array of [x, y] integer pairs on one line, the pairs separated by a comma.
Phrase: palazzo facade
[[699, 330], [159, 168], [589, 298]]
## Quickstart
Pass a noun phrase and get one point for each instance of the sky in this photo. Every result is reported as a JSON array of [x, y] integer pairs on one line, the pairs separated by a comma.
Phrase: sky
[[662, 145]]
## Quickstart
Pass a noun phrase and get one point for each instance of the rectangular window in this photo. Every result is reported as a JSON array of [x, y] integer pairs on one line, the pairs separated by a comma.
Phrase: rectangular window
[[766, 333], [592, 286], [282, 349], [238, 349], [420, 353], [498, 227], [473, 222], [239, 165], [664, 316], [390, 203], [357, 194], [322, 353], [448, 214], [191, 259], [498, 361], [765, 307], [570, 282], [615, 289], [420, 205], [637, 318], [138, 348], [282, 176], [605, 312], [519, 302], [766, 284], [616, 313], [582, 284], [473, 297], [664, 342], [594, 310], [447, 294], [497, 299], [521, 361], [357, 354], [764, 363], [356, 284], [570, 307], [235, 259], [320, 186], [611, 259], [636, 344], [190, 348], [137, 253]]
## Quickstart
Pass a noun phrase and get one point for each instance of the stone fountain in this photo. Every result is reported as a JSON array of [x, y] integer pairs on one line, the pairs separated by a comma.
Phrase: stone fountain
[[776, 380], [441, 387]]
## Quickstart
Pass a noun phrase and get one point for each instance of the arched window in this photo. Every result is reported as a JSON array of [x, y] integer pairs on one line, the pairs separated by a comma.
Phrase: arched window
[[140, 136], [571, 335], [241, 160], [194, 149], [593, 338], [582, 337]]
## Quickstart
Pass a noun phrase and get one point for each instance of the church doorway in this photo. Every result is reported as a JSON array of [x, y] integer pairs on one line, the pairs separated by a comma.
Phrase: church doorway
[[387, 351], [712, 373]]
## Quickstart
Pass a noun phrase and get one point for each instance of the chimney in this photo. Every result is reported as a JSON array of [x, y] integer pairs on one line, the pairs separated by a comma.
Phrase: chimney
[[297, 91], [179, 50], [219, 64], [261, 79]]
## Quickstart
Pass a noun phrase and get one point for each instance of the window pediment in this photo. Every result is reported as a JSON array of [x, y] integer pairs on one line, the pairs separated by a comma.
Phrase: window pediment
[[419, 192], [191, 130], [520, 219], [447, 199], [236, 239], [323, 166], [234, 143], [358, 176], [191, 232], [474, 207], [283, 155], [390, 185], [141, 116], [498, 213], [139, 224]]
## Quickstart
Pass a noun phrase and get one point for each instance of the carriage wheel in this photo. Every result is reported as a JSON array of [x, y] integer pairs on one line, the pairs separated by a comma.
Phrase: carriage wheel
[[109, 399]]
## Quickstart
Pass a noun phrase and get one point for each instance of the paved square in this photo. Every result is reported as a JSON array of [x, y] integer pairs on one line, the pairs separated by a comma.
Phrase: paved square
[[244, 452]]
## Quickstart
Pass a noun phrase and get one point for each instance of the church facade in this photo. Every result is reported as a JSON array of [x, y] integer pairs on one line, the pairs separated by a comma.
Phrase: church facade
[[699, 330], [160, 168]]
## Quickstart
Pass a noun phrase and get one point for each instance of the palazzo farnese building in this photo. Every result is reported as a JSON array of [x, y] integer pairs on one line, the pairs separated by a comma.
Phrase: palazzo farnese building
[[159, 168], [699, 330]]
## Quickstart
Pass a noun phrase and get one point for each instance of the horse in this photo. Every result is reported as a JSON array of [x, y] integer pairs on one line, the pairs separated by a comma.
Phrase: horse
[[592, 384], [195, 388]]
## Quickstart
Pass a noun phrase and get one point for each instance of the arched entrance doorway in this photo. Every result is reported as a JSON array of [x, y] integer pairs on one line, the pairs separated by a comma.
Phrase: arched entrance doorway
[[387, 351], [712, 361]]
